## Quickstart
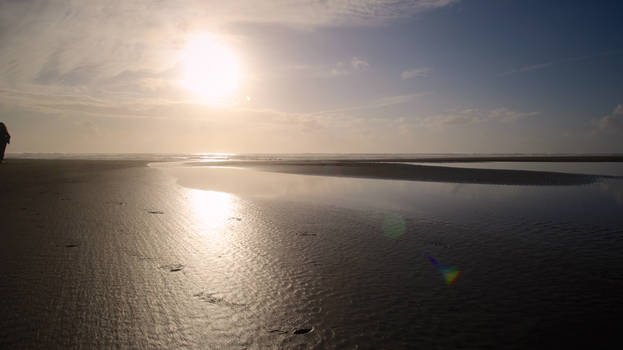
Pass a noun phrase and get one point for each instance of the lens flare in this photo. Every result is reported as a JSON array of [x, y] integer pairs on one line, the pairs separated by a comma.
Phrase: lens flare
[[450, 274], [394, 225]]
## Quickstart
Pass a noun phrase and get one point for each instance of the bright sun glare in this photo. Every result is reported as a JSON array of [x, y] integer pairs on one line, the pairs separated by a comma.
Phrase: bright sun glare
[[211, 70]]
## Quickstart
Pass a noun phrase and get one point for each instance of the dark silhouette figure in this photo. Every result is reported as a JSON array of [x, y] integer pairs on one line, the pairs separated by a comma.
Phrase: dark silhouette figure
[[5, 139]]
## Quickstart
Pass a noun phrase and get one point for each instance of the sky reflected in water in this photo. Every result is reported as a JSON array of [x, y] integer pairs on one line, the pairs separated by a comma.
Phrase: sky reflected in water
[[601, 201]]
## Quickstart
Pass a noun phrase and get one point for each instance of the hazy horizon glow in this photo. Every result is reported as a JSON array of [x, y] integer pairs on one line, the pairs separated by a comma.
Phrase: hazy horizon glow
[[404, 76]]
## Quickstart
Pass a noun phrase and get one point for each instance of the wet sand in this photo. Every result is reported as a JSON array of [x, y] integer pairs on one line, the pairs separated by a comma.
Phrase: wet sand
[[114, 254]]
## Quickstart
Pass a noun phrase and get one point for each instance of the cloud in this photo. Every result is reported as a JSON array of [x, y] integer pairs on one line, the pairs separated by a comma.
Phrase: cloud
[[342, 68], [116, 63], [371, 105], [344, 121], [611, 123], [328, 12], [475, 115], [543, 65], [336, 71], [528, 68], [121, 50], [359, 63], [179, 127], [415, 73]]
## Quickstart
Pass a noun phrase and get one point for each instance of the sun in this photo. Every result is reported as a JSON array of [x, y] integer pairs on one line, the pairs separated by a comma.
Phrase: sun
[[210, 69]]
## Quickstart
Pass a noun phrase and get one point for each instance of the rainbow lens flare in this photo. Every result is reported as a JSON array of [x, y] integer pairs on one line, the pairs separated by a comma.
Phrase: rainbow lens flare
[[450, 274]]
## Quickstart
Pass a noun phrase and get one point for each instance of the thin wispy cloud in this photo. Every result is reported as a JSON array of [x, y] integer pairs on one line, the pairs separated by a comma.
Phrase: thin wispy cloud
[[422, 72], [341, 68], [330, 12], [378, 103], [475, 115], [544, 65], [529, 68]]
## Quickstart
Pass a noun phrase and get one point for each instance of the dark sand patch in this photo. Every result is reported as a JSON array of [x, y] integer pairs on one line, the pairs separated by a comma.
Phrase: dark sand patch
[[411, 172]]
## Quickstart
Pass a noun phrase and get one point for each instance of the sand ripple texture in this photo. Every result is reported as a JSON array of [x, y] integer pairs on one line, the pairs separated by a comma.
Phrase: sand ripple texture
[[129, 259]]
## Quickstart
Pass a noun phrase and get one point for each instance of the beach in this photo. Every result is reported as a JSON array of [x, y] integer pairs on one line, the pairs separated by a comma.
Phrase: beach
[[121, 254]]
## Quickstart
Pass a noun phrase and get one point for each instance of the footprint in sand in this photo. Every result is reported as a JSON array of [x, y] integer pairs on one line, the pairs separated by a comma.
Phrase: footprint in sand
[[71, 245], [155, 211], [302, 330], [136, 254], [172, 267], [296, 331], [210, 298]]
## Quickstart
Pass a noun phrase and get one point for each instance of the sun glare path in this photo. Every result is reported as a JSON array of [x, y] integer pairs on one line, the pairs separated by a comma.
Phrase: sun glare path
[[211, 69]]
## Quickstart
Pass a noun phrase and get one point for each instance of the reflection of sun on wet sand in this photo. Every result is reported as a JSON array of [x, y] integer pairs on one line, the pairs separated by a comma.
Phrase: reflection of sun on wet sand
[[90, 247]]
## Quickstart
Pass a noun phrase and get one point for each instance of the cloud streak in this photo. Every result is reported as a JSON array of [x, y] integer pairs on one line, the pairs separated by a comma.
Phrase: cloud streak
[[544, 65], [338, 69], [415, 73], [474, 116], [341, 68], [330, 12]]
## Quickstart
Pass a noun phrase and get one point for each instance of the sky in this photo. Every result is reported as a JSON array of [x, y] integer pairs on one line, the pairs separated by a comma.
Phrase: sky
[[312, 76]]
